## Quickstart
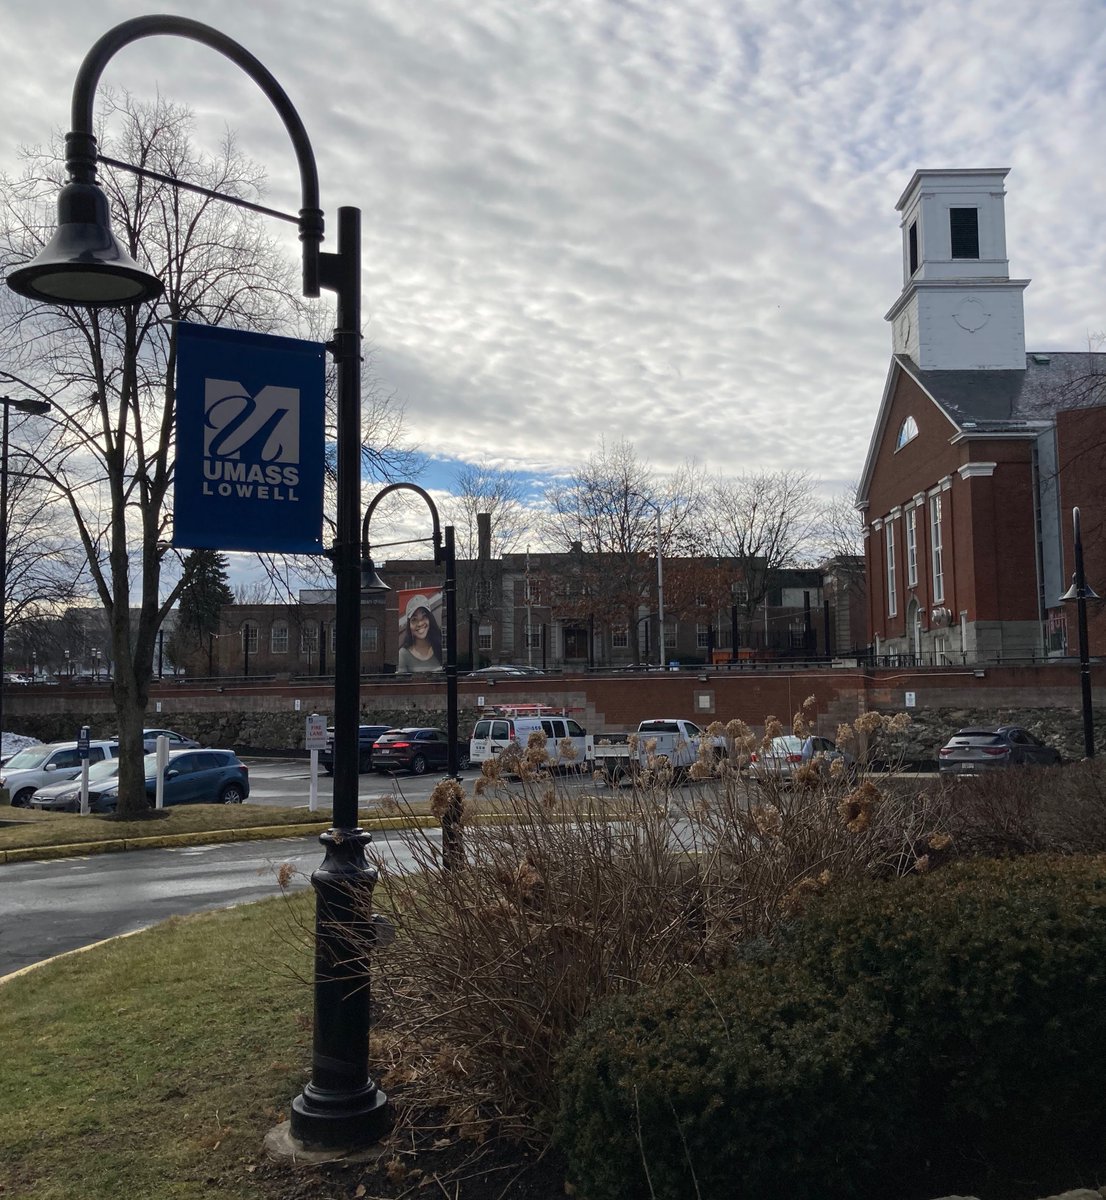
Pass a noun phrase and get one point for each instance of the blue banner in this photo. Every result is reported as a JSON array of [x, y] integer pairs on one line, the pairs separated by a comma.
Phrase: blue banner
[[250, 426]]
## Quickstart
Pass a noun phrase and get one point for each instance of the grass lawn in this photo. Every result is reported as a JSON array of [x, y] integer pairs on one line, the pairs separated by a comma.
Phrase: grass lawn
[[153, 1066], [30, 827]]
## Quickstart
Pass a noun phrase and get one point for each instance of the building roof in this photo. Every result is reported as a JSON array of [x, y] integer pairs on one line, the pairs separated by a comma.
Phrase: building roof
[[1005, 402], [1050, 382]]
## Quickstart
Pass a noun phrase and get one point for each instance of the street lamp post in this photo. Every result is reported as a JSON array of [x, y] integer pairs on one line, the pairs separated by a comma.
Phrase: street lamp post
[[84, 265], [371, 584], [27, 406], [660, 583], [1080, 593]]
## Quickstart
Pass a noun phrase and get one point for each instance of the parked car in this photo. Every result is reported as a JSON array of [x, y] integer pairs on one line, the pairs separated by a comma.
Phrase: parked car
[[504, 671], [788, 754], [177, 741], [191, 777], [66, 795], [366, 737], [970, 751], [35, 766], [417, 750]]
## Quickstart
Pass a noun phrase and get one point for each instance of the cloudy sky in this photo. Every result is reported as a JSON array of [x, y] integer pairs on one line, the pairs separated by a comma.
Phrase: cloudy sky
[[668, 220]]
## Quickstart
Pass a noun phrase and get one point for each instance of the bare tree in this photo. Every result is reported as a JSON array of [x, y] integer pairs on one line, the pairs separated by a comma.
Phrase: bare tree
[[607, 515], [838, 537], [762, 522], [110, 372], [45, 566], [500, 494]]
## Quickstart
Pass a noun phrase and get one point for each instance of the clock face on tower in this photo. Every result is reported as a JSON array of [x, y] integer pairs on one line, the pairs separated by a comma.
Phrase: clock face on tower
[[904, 331]]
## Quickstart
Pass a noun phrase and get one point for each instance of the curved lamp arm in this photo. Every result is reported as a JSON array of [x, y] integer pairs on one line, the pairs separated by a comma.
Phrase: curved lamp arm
[[80, 142], [396, 487]]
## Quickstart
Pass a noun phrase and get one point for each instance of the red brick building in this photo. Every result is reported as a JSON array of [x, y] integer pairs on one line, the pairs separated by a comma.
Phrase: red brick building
[[980, 450]]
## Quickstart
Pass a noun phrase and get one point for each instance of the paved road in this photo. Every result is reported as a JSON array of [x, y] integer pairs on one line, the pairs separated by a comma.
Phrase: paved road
[[47, 908], [286, 781]]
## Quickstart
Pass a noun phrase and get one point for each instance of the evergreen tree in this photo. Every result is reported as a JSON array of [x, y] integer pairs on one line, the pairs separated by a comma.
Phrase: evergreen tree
[[204, 593]]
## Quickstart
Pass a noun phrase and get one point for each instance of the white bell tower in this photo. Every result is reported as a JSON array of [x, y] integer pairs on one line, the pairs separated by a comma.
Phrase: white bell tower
[[959, 309]]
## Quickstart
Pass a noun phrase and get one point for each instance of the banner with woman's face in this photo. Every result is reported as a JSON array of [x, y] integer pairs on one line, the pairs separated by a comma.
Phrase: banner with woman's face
[[420, 630]]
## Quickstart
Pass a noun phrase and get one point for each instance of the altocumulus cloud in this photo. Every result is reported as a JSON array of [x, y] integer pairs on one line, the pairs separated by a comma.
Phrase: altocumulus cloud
[[672, 221]]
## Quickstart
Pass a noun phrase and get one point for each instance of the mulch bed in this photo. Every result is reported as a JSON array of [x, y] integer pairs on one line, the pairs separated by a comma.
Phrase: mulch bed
[[433, 1166]]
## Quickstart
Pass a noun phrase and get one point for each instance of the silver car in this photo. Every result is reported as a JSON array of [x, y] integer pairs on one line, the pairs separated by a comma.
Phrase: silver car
[[66, 795]]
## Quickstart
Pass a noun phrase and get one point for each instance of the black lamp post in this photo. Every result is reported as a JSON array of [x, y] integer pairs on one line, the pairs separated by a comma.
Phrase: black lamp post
[[371, 584], [28, 406], [85, 266], [1080, 592]]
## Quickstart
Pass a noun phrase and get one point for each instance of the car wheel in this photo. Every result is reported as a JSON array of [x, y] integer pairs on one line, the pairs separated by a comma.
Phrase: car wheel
[[463, 762], [418, 765], [22, 799], [231, 794]]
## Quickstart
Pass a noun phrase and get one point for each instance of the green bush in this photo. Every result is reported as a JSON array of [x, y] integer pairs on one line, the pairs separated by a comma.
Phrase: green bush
[[994, 975], [751, 1082], [942, 1033]]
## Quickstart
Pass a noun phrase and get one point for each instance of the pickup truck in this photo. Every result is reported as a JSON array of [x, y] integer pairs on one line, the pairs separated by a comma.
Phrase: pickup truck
[[677, 739], [366, 736]]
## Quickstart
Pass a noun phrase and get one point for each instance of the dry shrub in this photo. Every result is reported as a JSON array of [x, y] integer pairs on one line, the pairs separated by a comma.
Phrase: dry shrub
[[495, 965], [1033, 810]]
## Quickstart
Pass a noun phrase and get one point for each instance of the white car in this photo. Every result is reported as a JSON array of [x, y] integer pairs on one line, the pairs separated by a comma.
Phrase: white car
[[35, 766], [788, 753]]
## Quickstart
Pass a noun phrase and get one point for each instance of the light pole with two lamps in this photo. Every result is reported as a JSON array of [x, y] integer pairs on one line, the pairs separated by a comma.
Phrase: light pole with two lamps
[[84, 265], [1080, 593], [372, 585]]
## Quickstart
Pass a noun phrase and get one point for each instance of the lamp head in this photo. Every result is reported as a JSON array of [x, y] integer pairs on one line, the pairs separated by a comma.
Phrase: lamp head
[[371, 583], [83, 264], [1073, 593]]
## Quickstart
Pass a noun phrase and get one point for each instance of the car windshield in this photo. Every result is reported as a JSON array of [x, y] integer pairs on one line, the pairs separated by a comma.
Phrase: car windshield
[[104, 769], [28, 758], [788, 744]]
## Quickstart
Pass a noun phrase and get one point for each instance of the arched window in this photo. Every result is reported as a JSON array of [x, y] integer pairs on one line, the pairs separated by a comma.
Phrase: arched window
[[249, 637], [278, 638], [908, 430]]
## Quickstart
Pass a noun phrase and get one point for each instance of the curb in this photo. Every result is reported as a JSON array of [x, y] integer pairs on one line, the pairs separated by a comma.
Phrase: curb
[[213, 837]]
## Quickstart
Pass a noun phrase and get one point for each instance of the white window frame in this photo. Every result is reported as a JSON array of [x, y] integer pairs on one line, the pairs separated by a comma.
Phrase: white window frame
[[249, 632], [911, 547], [278, 638], [937, 549], [892, 592], [370, 637], [484, 638], [702, 636], [620, 638], [309, 638]]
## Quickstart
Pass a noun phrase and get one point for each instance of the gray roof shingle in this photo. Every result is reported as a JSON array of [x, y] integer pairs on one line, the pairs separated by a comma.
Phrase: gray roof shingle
[[1003, 399]]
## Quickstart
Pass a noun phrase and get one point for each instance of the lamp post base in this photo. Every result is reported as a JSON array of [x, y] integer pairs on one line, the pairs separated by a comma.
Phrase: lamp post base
[[327, 1120], [342, 1107]]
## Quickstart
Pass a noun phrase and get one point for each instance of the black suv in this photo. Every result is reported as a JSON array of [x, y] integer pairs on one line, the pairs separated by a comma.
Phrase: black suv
[[366, 736], [417, 749]]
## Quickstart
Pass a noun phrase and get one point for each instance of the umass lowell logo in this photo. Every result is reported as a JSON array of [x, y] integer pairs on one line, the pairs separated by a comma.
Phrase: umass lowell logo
[[251, 444]]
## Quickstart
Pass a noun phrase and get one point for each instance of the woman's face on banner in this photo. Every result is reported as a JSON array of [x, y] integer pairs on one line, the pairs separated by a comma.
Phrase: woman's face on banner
[[420, 623]]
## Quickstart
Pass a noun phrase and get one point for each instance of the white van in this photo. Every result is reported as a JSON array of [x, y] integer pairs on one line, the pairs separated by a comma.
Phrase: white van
[[492, 735]]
